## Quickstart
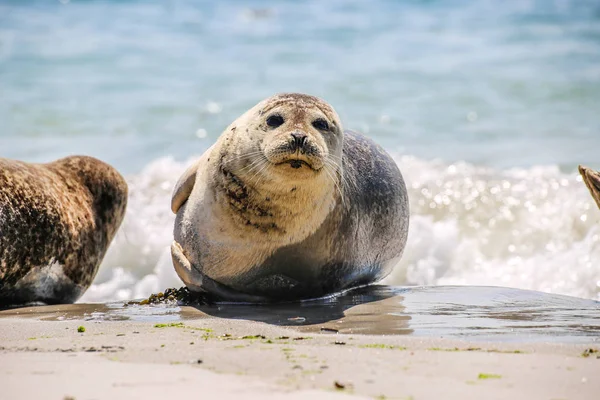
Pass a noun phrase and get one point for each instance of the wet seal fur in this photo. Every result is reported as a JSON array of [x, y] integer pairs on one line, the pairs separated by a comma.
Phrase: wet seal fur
[[56, 223], [287, 205], [591, 179]]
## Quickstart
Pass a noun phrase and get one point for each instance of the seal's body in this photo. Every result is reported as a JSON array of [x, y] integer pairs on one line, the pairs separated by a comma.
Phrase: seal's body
[[286, 205], [56, 222]]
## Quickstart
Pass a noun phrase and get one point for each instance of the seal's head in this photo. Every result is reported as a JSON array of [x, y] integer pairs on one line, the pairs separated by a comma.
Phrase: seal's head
[[288, 137]]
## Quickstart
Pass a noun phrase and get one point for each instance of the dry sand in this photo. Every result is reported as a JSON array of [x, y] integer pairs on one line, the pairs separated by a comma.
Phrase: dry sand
[[226, 358]]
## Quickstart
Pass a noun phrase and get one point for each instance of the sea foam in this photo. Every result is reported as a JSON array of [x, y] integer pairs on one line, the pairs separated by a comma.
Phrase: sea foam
[[534, 228]]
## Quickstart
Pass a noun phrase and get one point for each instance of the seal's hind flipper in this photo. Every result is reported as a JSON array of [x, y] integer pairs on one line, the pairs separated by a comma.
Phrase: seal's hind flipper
[[185, 270], [183, 188]]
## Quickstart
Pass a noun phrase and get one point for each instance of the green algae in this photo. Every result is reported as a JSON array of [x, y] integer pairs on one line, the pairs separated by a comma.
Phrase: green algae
[[381, 346], [253, 337], [452, 349], [181, 296], [488, 376], [588, 352], [170, 325]]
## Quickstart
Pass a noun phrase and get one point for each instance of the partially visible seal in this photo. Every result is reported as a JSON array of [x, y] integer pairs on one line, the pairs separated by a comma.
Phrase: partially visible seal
[[56, 222], [591, 179], [287, 205]]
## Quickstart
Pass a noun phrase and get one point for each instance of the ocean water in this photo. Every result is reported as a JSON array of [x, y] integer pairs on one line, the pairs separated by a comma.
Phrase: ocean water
[[487, 107]]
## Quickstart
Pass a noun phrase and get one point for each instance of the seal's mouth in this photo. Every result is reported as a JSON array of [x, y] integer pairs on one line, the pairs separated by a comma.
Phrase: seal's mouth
[[296, 163], [296, 160]]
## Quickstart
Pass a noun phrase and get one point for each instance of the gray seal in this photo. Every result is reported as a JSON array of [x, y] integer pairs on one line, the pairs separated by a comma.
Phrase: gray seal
[[56, 223], [591, 179], [286, 205]]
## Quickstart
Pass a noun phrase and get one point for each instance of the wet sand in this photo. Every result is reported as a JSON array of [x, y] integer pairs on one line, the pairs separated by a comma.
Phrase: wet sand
[[153, 351]]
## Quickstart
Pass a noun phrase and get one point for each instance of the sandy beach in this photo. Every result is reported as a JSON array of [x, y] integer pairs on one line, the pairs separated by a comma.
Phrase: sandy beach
[[46, 356]]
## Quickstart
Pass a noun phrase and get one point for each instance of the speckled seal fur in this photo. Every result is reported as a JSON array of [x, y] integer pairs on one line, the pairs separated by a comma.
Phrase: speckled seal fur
[[56, 223], [591, 179], [287, 205]]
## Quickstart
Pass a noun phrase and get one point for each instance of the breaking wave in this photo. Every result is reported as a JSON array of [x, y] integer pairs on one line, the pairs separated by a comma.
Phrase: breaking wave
[[535, 228]]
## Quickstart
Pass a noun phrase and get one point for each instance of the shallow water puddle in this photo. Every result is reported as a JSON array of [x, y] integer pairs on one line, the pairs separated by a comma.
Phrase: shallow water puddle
[[469, 312]]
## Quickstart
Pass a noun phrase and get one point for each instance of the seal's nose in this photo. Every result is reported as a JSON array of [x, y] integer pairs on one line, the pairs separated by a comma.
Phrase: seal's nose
[[298, 140]]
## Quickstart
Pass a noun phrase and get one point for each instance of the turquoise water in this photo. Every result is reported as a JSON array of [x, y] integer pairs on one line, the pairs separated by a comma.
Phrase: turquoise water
[[486, 106], [508, 84]]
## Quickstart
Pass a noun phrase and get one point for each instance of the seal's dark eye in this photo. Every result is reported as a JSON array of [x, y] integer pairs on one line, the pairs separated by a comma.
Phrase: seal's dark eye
[[274, 121], [321, 124]]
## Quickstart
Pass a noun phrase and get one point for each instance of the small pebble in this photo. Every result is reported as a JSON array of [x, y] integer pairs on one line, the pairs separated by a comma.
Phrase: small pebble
[[339, 385], [324, 329]]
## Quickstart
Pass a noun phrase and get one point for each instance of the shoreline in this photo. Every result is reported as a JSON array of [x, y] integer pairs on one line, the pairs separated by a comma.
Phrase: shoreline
[[121, 358]]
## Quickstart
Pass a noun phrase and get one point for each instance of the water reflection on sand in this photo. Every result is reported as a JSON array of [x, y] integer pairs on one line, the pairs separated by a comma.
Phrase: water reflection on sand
[[474, 313]]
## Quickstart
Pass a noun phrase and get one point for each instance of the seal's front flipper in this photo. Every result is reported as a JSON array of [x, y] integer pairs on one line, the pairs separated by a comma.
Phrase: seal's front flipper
[[187, 273], [592, 181], [197, 282], [183, 188]]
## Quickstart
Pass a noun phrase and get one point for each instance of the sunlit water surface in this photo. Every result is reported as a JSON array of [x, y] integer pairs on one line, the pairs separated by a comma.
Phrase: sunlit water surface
[[470, 313]]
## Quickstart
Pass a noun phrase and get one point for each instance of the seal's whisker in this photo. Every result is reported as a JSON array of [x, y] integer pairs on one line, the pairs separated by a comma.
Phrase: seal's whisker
[[257, 174], [332, 163], [258, 162], [262, 167], [334, 168], [338, 169], [253, 165], [336, 157], [257, 167], [244, 156], [333, 180]]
